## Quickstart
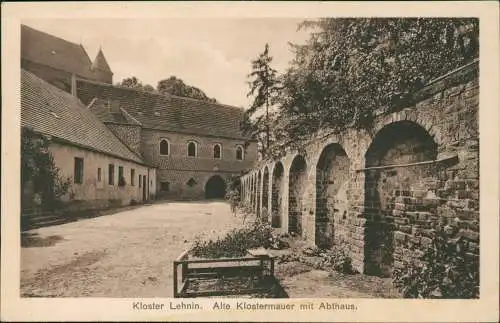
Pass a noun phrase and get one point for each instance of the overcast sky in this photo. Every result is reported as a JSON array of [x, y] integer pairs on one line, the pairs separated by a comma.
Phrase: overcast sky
[[212, 54]]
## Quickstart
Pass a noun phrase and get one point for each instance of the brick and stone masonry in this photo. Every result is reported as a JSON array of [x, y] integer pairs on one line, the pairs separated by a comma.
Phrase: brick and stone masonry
[[379, 192], [187, 176]]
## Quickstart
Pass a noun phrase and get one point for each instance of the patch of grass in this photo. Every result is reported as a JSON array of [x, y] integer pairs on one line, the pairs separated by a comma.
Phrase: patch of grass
[[32, 240]]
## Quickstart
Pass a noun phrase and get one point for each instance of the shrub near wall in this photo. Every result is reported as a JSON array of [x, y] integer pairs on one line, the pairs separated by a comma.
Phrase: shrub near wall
[[442, 271]]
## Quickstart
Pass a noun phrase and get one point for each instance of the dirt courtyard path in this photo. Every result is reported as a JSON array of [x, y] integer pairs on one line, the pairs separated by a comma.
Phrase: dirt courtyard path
[[127, 254]]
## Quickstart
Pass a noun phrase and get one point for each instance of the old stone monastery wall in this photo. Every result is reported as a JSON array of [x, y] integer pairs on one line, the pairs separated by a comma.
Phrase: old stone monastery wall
[[378, 193]]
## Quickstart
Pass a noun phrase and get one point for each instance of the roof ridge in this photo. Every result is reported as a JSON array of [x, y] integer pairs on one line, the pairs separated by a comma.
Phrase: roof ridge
[[46, 33], [123, 142], [116, 86], [214, 103], [39, 79], [159, 94], [43, 48], [86, 54], [130, 116]]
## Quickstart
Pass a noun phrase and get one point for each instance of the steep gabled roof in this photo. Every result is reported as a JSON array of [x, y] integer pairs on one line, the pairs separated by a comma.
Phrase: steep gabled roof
[[158, 111], [100, 62], [51, 111], [49, 50]]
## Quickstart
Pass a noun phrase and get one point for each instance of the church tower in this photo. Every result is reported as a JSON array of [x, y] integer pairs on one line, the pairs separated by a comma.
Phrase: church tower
[[101, 69]]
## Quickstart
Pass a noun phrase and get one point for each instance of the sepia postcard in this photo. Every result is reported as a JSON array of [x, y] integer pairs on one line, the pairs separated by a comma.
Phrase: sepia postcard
[[250, 161]]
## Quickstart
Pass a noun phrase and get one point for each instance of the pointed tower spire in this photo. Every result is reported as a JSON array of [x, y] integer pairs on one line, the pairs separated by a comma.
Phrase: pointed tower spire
[[100, 62]]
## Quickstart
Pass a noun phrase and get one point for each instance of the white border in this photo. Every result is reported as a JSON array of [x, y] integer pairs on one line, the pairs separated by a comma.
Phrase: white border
[[76, 309]]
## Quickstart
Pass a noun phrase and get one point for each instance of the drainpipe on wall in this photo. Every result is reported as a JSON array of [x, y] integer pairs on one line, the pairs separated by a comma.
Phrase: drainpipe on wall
[[73, 85]]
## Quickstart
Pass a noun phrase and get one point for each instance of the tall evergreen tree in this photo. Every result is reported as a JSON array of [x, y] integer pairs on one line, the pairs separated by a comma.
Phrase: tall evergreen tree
[[264, 86]]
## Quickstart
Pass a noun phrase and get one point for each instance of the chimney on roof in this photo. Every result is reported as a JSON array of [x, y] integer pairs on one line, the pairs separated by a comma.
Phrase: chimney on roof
[[112, 106], [73, 85]]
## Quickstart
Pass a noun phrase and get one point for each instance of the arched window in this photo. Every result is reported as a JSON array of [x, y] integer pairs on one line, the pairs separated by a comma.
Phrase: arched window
[[239, 153], [191, 149], [164, 147], [217, 151]]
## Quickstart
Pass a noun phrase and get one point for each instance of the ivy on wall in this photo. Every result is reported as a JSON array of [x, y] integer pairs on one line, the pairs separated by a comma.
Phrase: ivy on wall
[[41, 181]]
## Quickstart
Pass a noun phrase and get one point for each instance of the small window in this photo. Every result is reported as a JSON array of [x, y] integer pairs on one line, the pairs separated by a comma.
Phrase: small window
[[217, 151], [191, 149], [111, 174], [78, 179], [132, 177], [99, 174], [164, 147], [140, 182], [165, 186], [239, 153], [121, 179], [191, 182]]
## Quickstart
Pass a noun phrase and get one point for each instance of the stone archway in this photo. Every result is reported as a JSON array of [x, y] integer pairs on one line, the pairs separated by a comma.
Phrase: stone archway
[[265, 194], [254, 191], [250, 191], [296, 186], [215, 188], [332, 180], [276, 194], [391, 192]]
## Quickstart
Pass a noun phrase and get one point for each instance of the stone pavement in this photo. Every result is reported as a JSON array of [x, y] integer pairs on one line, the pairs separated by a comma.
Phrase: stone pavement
[[127, 254]]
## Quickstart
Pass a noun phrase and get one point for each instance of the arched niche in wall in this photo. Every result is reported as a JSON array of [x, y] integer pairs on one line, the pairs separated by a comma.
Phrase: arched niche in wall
[[276, 194], [394, 182], [296, 186], [332, 180]]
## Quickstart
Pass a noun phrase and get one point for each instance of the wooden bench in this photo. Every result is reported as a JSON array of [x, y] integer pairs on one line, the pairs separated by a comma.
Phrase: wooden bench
[[224, 276]]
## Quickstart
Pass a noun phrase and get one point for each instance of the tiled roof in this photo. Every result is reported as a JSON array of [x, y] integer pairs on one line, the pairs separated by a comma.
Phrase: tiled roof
[[100, 62], [158, 111], [49, 50], [51, 111]]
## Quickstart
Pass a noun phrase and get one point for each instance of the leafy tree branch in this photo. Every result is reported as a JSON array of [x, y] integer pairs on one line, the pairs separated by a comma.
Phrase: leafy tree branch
[[351, 67]]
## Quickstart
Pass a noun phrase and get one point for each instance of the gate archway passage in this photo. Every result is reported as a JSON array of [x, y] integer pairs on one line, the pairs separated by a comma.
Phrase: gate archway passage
[[295, 194], [332, 180], [215, 188], [391, 192]]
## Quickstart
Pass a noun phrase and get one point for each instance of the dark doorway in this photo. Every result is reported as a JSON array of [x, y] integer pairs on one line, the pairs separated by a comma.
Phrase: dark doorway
[[259, 179], [398, 143], [276, 193], [215, 188], [265, 195], [332, 187], [295, 194], [144, 183]]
